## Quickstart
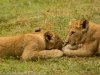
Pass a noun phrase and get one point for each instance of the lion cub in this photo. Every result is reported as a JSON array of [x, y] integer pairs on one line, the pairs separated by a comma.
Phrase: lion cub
[[39, 44], [85, 33]]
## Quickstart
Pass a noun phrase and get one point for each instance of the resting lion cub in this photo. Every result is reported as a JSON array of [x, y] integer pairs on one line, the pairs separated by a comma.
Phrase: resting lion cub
[[32, 45], [85, 33]]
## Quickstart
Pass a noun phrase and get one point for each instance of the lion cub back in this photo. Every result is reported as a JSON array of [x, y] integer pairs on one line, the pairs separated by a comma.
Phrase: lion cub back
[[11, 46]]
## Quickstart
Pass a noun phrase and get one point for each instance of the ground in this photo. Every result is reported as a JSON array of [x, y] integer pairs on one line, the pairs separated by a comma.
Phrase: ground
[[22, 16]]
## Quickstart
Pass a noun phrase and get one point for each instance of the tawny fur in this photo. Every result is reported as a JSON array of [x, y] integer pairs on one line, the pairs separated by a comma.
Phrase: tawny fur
[[40, 44], [85, 33]]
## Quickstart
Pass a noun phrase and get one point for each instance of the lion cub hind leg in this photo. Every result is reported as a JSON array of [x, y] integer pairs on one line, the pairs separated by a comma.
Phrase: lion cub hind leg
[[50, 53]]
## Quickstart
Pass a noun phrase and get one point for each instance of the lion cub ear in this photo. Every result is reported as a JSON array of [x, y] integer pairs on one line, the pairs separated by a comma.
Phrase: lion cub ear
[[84, 23], [49, 36], [37, 29], [72, 21]]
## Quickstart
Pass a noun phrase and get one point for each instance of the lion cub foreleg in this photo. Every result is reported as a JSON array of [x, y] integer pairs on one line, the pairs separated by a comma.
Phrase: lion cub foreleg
[[50, 53], [86, 50], [31, 55], [79, 53]]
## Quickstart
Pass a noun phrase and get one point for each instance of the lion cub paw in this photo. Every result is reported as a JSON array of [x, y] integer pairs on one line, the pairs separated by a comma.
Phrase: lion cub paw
[[56, 53], [50, 53], [69, 47]]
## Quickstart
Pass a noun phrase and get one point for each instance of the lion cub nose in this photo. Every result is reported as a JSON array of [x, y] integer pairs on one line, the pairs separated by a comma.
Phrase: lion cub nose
[[65, 44]]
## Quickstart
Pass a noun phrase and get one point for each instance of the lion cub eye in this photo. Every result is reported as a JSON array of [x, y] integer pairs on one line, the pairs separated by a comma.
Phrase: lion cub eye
[[72, 32]]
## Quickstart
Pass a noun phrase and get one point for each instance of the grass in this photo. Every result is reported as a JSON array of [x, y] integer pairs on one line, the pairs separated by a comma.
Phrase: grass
[[22, 16]]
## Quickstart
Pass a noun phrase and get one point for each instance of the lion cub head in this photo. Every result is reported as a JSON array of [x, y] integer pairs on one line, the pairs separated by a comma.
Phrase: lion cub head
[[52, 40], [77, 31]]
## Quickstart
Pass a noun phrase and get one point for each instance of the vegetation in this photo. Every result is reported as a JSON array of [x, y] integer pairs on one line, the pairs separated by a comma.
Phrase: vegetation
[[22, 16]]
